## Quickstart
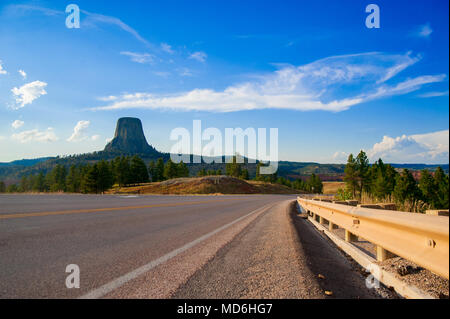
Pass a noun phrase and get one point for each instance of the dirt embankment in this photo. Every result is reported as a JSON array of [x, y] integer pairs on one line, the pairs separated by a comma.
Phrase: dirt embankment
[[206, 185]]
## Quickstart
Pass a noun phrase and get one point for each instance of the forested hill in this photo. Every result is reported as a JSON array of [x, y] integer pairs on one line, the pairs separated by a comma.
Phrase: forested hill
[[13, 171]]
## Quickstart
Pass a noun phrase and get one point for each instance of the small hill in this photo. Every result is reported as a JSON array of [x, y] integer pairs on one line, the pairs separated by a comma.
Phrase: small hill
[[206, 185]]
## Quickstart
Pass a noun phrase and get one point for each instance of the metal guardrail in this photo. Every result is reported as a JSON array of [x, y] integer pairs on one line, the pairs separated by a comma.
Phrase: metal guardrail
[[422, 239]]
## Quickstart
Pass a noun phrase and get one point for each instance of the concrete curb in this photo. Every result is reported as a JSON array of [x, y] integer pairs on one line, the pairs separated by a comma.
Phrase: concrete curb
[[387, 278]]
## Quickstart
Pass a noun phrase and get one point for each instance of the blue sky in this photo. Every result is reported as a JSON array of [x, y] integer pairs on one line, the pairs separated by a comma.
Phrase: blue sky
[[312, 69]]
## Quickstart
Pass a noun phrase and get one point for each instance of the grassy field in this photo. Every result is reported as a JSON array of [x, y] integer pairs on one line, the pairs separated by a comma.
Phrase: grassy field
[[332, 187]]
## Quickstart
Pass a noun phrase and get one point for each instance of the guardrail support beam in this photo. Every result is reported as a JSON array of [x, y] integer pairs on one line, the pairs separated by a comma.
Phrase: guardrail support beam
[[349, 237], [383, 254], [321, 220], [332, 226]]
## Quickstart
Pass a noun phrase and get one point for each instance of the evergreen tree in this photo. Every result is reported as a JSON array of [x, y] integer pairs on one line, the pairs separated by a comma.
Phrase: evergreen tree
[[138, 170], [244, 174], [201, 172], [159, 170], [73, 180], [152, 171], [351, 175], [91, 179], [105, 177], [362, 168], [170, 170], [233, 168], [406, 187], [39, 183], [2, 187], [442, 185], [182, 170], [428, 188]]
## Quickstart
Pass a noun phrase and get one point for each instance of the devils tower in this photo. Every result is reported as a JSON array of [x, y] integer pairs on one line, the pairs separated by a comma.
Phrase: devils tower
[[129, 138]]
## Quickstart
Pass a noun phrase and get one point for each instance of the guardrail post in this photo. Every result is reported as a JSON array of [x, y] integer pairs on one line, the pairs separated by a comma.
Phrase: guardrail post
[[349, 237], [332, 226], [321, 220], [383, 254]]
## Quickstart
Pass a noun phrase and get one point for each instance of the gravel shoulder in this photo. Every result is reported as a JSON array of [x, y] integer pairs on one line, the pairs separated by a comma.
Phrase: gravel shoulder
[[279, 255]]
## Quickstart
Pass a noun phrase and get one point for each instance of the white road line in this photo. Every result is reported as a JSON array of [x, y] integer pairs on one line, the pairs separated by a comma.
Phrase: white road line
[[120, 281]]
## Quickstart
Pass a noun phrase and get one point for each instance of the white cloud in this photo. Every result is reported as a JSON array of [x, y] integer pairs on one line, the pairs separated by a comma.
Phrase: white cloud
[[35, 136], [433, 94], [29, 92], [79, 132], [2, 70], [199, 56], [331, 84], [167, 48], [340, 157], [424, 31], [23, 74], [95, 137], [17, 124], [420, 148], [139, 57]]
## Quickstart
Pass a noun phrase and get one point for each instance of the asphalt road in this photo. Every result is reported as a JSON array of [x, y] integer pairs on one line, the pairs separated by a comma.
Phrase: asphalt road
[[248, 246], [106, 236]]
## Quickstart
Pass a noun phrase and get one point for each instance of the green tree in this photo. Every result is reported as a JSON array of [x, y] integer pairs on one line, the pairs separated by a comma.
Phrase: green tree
[[39, 183], [152, 170], [362, 169], [138, 170], [159, 170], [233, 168], [201, 172], [442, 185], [2, 187], [182, 170], [244, 174], [170, 169], [428, 188], [73, 180], [12, 188], [105, 177], [351, 175], [90, 180], [406, 188], [122, 174]]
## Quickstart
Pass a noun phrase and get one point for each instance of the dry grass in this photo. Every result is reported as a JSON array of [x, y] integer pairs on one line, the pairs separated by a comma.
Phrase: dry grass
[[212, 185], [407, 206], [332, 187]]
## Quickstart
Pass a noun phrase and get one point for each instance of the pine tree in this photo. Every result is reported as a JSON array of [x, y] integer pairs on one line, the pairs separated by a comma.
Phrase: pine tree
[[406, 188], [244, 174], [105, 178], [39, 183], [73, 180], [442, 185], [351, 175], [428, 189], [91, 179], [138, 170], [182, 170], [362, 168], [159, 170], [170, 170], [152, 171], [2, 187]]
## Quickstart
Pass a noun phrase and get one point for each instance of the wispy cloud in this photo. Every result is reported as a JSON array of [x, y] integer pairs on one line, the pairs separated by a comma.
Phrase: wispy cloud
[[199, 56], [424, 31], [331, 84], [433, 94], [35, 136], [139, 57], [27, 93], [167, 48], [23, 74], [17, 124], [2, 70], [420, 148]]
